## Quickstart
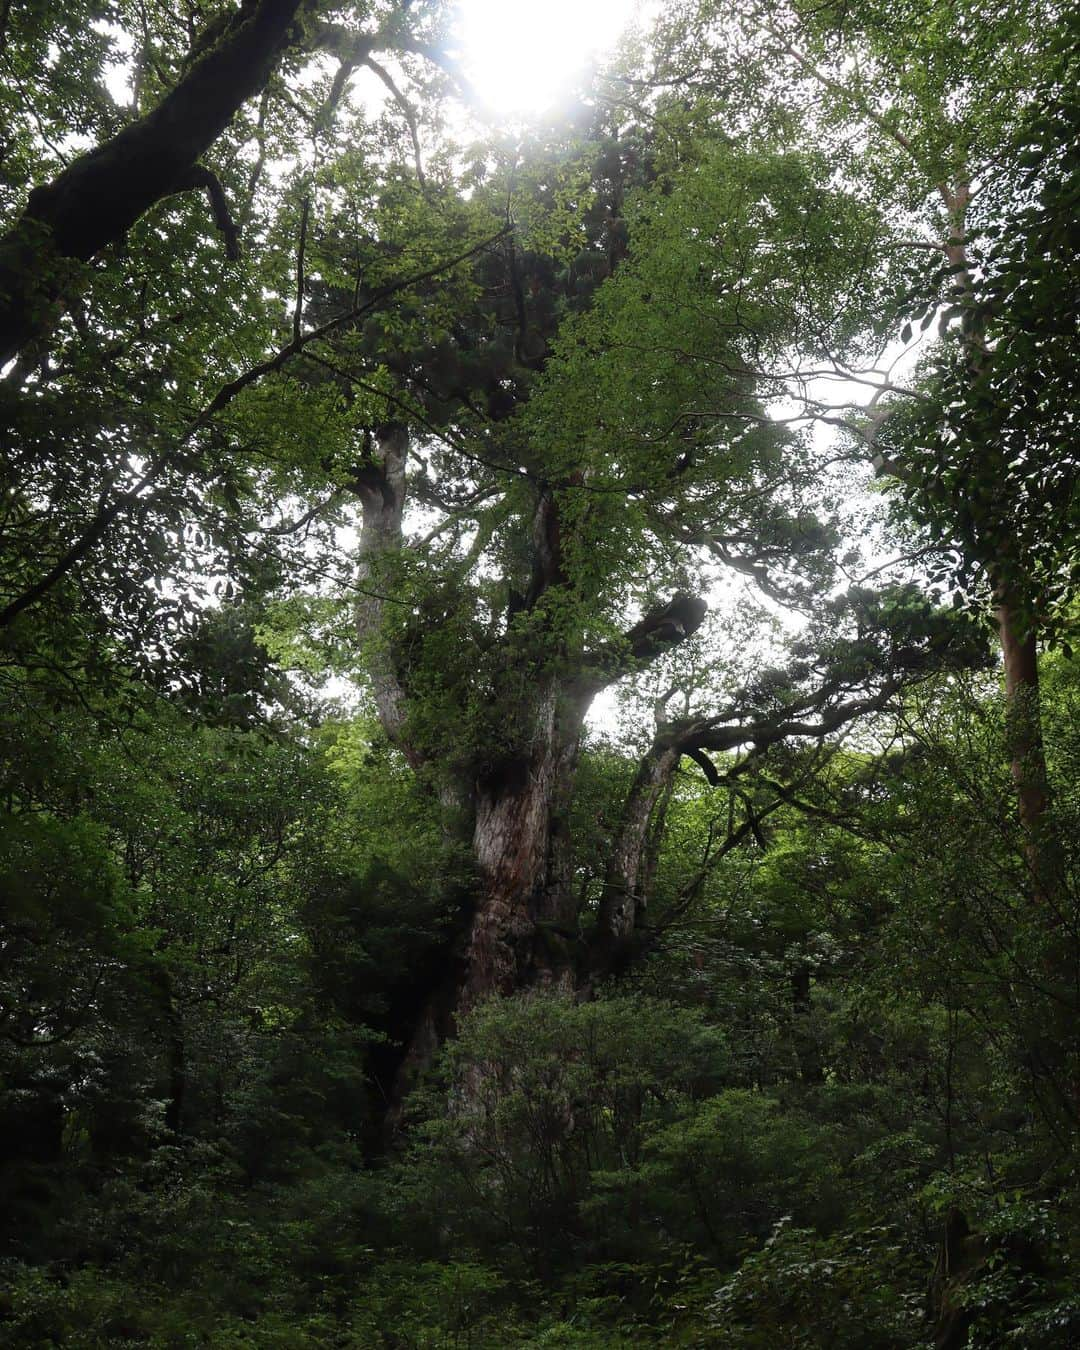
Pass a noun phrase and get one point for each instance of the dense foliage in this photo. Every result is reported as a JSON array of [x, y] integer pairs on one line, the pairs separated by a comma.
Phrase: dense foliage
[[540, 759]]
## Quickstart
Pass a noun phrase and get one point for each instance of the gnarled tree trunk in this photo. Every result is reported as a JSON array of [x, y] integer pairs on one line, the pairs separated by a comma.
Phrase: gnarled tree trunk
[[625, 894], [522, 926]]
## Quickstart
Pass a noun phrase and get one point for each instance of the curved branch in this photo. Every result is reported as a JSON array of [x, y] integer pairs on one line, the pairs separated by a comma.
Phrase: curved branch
[[662, 628], [101, 194], [200, 178], [406, 109]]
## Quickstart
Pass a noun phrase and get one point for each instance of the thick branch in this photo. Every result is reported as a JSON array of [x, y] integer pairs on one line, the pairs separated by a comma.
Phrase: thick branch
[[663, 628], [547, 570], [714, 735], [625, 896], [97, 198]]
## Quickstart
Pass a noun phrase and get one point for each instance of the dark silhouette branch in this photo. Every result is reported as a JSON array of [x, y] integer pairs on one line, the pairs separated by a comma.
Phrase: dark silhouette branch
[[201, 179], [407, 112], [102, 193]]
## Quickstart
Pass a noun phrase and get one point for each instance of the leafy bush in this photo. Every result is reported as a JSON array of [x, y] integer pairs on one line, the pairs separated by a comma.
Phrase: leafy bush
[[853, 1291]]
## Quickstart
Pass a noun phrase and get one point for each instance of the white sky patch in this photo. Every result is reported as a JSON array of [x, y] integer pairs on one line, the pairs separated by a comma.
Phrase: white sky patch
[[522, 57]]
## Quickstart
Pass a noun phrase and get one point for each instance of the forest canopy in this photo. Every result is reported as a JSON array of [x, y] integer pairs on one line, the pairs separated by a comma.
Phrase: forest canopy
[[538, 717]]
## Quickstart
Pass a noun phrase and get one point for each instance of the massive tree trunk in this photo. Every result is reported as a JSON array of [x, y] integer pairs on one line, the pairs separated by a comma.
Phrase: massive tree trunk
[[521, 929], [101, 194], [522, 925], [524, 928]]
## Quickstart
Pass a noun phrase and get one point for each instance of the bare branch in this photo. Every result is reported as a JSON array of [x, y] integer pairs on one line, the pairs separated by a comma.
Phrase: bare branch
[[407, 111], [201, 179]]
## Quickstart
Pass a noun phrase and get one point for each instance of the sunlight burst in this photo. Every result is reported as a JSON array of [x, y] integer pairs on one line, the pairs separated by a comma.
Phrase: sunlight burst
[[523, 56]]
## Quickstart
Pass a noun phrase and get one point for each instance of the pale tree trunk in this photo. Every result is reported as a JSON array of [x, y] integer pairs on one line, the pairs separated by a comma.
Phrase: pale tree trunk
[[380, 485], [1017, 630], [523, 927], [624, 898], [1018, 641]]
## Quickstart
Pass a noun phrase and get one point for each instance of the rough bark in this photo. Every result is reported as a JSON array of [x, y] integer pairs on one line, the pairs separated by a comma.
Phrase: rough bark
[[625, 894], [101, 194], [524, 927]]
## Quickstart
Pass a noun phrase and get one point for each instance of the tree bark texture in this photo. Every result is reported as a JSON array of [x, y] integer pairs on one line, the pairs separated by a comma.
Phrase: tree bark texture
[[521, 930], [101, 194], [525, 921], [626, 885]]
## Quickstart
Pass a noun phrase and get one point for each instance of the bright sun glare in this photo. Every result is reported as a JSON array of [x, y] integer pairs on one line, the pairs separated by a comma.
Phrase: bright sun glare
[[522, 55]]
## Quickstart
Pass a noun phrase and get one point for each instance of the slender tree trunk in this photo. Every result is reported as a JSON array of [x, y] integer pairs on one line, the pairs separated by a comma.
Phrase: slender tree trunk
[[1027, 757], [1027, 760], [1017, 632], [176, 1058], [380, 485], [624, 897], [807, 1050]]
